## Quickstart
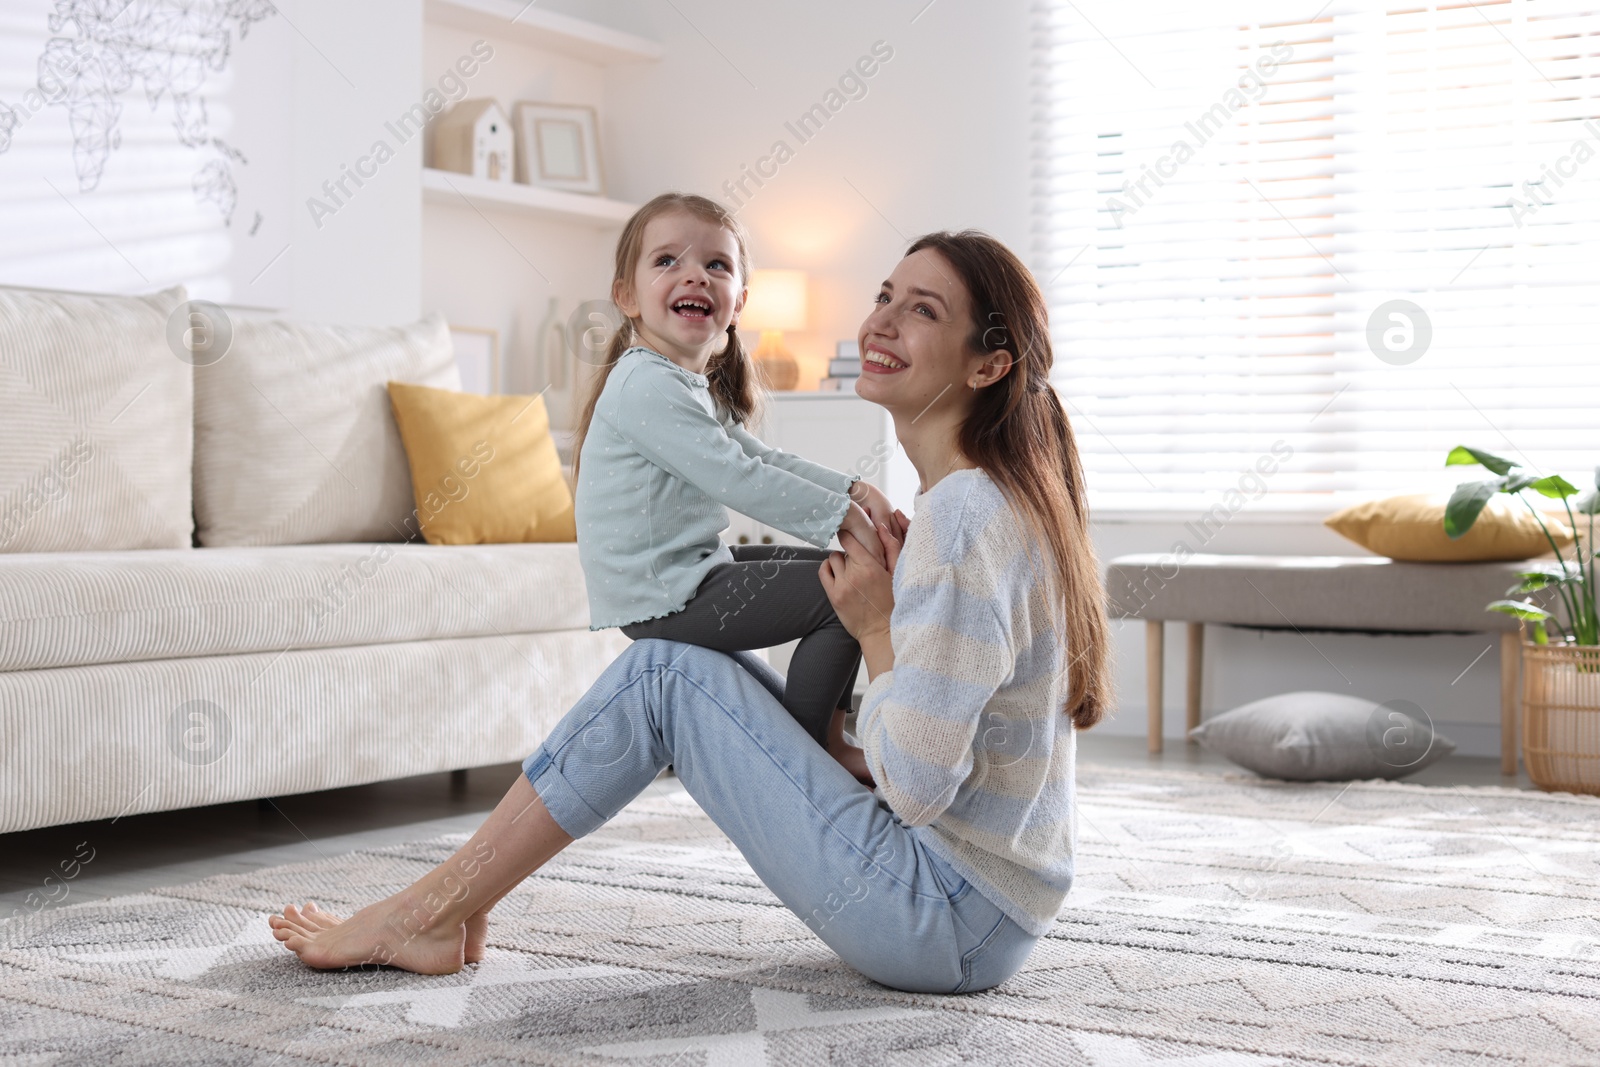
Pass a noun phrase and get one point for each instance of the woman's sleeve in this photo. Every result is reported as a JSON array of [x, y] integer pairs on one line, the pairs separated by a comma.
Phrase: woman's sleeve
[[918, 720], [756, 448], [664, 422]]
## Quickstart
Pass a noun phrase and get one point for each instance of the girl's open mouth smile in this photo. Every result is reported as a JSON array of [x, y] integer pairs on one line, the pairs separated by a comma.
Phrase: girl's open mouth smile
[[692, 307]]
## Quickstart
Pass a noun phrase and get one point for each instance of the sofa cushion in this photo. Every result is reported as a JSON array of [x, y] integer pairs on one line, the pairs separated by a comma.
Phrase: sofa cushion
[[1412, 528], [96, 423], [294, 441], [1325, 737], [111, 607], [484, 468]]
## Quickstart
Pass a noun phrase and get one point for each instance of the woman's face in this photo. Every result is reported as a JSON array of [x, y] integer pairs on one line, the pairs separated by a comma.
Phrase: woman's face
[[914, 344]]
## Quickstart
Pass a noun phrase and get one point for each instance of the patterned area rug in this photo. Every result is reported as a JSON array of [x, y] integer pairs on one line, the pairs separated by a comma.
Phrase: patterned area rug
[[1216, 921]]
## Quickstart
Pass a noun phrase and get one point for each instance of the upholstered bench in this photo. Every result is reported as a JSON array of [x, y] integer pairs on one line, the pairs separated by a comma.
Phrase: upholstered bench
[[1363, 594]]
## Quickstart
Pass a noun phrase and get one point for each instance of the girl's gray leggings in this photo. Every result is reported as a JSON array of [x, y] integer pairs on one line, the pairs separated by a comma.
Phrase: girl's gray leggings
[[768, 595]]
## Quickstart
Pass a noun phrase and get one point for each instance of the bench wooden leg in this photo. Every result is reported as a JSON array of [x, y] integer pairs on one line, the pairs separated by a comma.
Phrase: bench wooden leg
[[1197, 642], [1153, 635], [1510, 662]]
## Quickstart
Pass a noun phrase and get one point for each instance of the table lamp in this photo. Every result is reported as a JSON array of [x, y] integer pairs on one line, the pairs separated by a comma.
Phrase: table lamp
[[777, 302]]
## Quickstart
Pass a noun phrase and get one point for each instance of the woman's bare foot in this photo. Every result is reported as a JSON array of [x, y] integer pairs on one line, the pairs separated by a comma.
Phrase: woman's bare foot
[[844, 753], [477, 927], [397, 932], [311, 919]]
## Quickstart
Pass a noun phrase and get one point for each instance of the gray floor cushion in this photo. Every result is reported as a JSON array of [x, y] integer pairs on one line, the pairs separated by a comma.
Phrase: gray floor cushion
[[1329, 737]]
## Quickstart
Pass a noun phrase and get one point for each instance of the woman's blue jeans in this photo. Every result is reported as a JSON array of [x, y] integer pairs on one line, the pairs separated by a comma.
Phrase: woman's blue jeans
[[866, 884]]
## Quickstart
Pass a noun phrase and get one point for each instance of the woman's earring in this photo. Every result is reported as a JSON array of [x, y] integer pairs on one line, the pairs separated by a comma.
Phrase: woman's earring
[[973, 386]]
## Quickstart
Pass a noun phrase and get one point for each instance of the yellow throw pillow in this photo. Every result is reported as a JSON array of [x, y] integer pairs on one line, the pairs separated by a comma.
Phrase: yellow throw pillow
[[483, 468], [1412, 528]]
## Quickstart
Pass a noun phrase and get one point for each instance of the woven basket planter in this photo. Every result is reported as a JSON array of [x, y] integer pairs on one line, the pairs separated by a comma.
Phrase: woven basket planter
[[1561, 716]]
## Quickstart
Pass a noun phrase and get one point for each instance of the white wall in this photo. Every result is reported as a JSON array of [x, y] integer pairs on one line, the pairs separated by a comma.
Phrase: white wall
[[127, 205], [497, 269], [355, 68]]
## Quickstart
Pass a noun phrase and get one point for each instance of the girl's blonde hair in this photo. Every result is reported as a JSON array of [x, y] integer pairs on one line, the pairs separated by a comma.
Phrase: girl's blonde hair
[[730, 371]]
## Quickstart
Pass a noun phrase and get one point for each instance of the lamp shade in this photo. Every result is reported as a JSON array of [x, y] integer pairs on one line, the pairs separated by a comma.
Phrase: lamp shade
[[777, 301]]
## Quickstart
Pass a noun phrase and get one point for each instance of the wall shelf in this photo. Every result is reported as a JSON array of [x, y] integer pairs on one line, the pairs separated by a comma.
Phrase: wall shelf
[[524, 23], [449, 188]]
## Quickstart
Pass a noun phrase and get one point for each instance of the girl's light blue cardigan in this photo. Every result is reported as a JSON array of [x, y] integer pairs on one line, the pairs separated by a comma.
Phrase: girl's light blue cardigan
[[660, 464]]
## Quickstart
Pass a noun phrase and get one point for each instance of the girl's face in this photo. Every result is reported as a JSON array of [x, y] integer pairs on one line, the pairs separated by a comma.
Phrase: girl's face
[[914, 344], [685, 289]]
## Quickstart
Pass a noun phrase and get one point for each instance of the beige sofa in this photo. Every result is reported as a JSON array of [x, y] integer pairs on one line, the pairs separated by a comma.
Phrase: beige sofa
[[145, 666]]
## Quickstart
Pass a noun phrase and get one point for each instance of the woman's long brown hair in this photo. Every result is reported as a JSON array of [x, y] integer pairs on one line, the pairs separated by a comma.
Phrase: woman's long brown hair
[[730, 372], [1019, 434]]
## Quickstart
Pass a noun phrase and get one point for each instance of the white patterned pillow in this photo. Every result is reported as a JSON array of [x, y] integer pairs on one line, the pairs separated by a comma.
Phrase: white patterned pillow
[[295, 442], [96, 423]]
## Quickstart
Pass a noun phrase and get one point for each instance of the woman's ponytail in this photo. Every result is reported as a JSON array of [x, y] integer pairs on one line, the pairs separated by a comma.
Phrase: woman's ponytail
[[1019, 434]]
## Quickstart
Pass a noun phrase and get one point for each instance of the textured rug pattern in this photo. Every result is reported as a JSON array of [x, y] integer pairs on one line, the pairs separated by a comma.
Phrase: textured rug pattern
[[1215, 921]]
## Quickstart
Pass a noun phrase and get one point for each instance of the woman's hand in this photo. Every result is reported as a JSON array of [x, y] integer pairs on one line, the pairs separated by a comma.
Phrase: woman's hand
[[859, 525], [876, 505], [860, 585]]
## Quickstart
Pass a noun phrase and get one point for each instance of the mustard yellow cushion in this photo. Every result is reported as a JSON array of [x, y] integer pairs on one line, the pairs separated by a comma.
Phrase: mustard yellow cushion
[[1412, 528], [483, 468]]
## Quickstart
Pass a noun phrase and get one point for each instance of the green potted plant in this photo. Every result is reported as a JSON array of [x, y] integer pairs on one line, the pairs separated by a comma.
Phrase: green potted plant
[[1560, 678]]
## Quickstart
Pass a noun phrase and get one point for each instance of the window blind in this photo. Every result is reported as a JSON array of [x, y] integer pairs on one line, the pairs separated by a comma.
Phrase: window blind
[[1323, 246]]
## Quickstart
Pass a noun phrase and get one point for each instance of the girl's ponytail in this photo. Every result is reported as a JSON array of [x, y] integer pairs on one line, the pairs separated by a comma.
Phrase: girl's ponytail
[[733, 375], [620, 342]]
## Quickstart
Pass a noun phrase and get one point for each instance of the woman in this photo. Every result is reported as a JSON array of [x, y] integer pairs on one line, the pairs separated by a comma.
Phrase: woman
[[985, 642]]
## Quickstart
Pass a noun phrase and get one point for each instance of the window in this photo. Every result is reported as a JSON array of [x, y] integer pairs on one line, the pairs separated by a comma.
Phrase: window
[[1323, 246]]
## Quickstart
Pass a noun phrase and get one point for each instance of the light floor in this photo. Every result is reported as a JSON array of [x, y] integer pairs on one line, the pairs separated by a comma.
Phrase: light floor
[[142, 852]]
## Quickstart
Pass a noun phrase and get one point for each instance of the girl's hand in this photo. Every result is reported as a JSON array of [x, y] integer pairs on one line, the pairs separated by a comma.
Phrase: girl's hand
[[857, 524], [860, 586], [876, 505]]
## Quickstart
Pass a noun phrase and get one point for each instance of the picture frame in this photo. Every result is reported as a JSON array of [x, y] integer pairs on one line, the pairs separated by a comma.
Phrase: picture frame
[[477, 350], [558, 147]]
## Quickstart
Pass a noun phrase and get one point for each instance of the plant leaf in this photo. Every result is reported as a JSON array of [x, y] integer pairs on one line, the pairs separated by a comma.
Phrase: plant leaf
[[1533, 581], [1466, 504], [1554, 486], [1587, 504], [1520, 609], [1516, 483], [1462, 456]]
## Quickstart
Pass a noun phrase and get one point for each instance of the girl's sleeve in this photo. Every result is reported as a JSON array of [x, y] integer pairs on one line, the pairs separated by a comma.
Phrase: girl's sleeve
[[919, 719], [665, 423], [756, 448]]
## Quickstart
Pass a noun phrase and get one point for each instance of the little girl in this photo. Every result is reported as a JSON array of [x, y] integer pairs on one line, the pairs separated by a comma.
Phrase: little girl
[[661, 450]]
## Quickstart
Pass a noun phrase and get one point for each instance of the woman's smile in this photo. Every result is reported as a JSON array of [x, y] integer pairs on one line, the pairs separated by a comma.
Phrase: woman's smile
[[877, 359]]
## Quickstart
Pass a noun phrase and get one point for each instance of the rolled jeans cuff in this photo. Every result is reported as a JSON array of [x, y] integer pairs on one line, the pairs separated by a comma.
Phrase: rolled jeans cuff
[[570, 811]]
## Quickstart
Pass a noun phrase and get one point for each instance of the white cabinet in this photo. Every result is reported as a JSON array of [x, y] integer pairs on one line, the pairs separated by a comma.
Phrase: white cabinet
[[838, 430]]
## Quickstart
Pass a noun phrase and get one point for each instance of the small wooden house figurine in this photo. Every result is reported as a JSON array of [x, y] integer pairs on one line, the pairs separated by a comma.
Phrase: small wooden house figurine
[[474, 138]]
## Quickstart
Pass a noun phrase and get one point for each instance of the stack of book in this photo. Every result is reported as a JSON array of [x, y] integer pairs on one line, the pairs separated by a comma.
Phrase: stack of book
[[843, 369]]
